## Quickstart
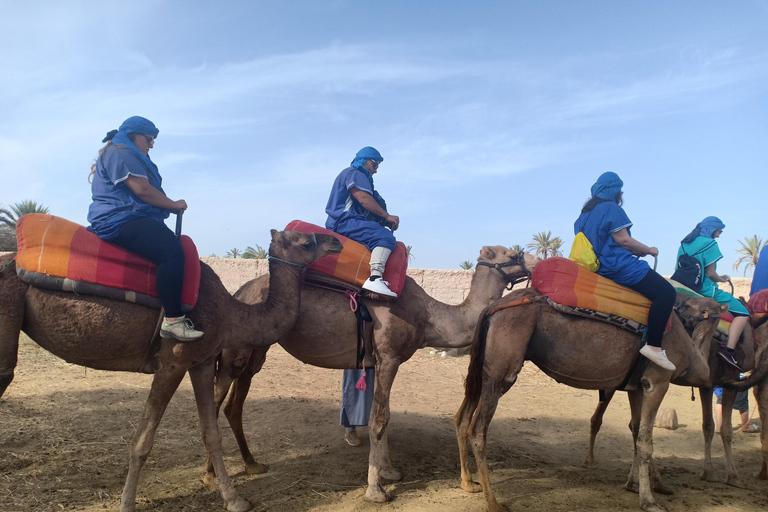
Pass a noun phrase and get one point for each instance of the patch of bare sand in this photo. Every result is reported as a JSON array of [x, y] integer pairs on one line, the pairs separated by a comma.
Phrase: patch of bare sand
[[65, 435]]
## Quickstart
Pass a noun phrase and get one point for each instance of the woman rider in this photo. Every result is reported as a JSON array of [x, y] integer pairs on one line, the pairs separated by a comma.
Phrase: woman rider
[[129, 208], [702, 238], [606, 226]]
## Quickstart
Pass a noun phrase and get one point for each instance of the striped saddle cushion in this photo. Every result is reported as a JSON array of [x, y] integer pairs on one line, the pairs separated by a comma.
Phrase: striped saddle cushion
[[57, 254], [351, 265]]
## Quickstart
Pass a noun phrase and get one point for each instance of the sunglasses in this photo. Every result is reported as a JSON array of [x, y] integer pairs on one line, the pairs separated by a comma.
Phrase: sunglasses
[[150, 139], [375, 164]]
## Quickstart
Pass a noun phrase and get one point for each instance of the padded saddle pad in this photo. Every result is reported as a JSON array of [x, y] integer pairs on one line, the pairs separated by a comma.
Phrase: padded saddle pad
[[351, 265], [568, 283], [57, 254]]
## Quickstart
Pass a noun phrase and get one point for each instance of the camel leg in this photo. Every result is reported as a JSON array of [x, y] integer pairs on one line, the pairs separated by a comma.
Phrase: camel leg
[[635, 406], [726, 433], [201, 376], [11, 319], [164, 385], [595, 423], [653, 394], [229, 371], [761, 396], [708, 427], [462, 422], [379, 464]]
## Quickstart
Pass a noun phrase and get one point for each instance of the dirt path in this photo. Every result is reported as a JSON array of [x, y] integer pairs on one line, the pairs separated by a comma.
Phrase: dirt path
[[65, 433]]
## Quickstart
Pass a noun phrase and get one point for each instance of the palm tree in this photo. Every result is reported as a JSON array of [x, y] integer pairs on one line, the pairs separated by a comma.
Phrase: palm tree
[[544, 245], [408, 251], [519, 249], [751, 251], [9, 218], [259, 253], [234, 253], [466, 265]]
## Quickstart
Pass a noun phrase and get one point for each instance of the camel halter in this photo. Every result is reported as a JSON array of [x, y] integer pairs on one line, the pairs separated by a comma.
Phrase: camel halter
[[314, 257], [519, 259]]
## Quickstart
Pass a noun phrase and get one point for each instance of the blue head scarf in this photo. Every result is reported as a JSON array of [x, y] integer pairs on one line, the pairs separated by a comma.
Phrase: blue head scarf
[[706, 228], [607, 186], [135, 124], [367, 153]]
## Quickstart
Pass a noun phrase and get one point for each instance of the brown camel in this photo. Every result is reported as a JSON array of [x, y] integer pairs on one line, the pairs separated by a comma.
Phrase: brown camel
[[325, 332], [719, 372], [575, 351], [106, 334], [758, 379]]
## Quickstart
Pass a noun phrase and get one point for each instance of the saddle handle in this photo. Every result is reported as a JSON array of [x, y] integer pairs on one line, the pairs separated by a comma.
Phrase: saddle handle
[[179, 213], [655, 262]]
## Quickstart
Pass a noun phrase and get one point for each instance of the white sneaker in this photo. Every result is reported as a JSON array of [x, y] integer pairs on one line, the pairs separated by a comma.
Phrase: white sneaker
[[660, 358], [379, 286], [181, 329]]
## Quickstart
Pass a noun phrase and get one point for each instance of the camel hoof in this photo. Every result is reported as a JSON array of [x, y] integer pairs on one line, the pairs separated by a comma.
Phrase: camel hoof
[[588, 464], [239, 505], [661, 488], [652, 507], [391, 473], [497, 508], [471, 486], [736, 482], [708, 476], [377, 494], [256, 468], [209, 478], [632, 487]]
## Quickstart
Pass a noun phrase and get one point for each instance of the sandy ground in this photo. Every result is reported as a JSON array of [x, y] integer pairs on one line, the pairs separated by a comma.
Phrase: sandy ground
[[65, 434]]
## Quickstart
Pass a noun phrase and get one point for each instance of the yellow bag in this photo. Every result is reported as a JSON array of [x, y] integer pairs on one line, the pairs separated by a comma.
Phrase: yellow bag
[[583, 253]]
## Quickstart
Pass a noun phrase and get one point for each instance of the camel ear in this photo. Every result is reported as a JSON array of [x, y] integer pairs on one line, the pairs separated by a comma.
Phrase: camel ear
[[274, 233], [487, 253]]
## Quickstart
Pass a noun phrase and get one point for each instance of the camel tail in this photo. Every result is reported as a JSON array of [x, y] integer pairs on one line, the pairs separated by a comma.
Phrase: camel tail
[[473, 385], [758, 375]]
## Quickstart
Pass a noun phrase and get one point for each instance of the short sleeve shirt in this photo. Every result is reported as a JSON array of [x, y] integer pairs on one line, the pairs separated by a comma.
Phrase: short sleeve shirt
[[341, 203], [616, 263], [710, 253], [114, 203], [760, 278]]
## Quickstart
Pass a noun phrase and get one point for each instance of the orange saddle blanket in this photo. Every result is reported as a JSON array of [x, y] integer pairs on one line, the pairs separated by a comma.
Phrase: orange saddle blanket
[[351, 265], [57, 254], [568, 283]]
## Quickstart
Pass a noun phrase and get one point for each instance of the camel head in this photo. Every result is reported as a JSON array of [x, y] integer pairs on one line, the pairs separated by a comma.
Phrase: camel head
[[700, 316], [301, 249], [512, 265]]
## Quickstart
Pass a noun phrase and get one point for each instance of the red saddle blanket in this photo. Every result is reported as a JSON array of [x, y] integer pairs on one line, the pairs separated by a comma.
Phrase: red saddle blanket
[[57, 254], [351, 265], [568, 283]]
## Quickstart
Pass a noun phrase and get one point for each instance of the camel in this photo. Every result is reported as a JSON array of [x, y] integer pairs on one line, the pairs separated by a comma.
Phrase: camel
[[758, 379], [575, 351], [112, 335], [719, 372], [324, 335]]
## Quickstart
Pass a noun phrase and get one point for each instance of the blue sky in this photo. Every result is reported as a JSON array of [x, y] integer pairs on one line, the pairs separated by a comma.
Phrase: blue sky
[[494, 118]]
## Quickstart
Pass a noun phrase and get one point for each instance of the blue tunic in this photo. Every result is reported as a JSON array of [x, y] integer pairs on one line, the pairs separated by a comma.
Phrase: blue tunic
[[616, 263], [346, 216], [711, 255], [760, 278], [114, 203], [356, 404]]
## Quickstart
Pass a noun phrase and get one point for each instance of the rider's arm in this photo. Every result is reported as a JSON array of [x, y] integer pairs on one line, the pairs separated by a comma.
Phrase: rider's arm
[[370, 204], [150, 195], [625, 241], [714, 275]]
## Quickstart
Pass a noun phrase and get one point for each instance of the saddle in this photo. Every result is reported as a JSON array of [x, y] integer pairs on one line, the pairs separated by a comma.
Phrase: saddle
[[349, 269], [58, 254]]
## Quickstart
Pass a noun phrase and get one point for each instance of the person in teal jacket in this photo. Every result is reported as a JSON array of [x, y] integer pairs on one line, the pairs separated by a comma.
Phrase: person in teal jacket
[[703, 240]]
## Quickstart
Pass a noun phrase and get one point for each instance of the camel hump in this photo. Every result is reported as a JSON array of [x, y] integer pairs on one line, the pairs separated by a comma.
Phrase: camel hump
[[58, 254], [350, 268]]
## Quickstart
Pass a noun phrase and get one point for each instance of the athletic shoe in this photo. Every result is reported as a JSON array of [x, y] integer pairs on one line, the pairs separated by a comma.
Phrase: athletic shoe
[[729, 355], [182, 329], [379, 286], [660, 358]]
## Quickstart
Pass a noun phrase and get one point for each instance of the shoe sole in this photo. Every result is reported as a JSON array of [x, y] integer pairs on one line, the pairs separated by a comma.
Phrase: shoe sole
[[724, 358], [167, 335]]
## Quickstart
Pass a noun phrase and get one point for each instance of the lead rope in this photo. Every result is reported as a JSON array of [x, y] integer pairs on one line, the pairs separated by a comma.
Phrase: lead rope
[[353, 296]]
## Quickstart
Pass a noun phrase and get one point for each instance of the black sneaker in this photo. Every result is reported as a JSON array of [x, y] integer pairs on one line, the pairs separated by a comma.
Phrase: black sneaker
[[729, 355]]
